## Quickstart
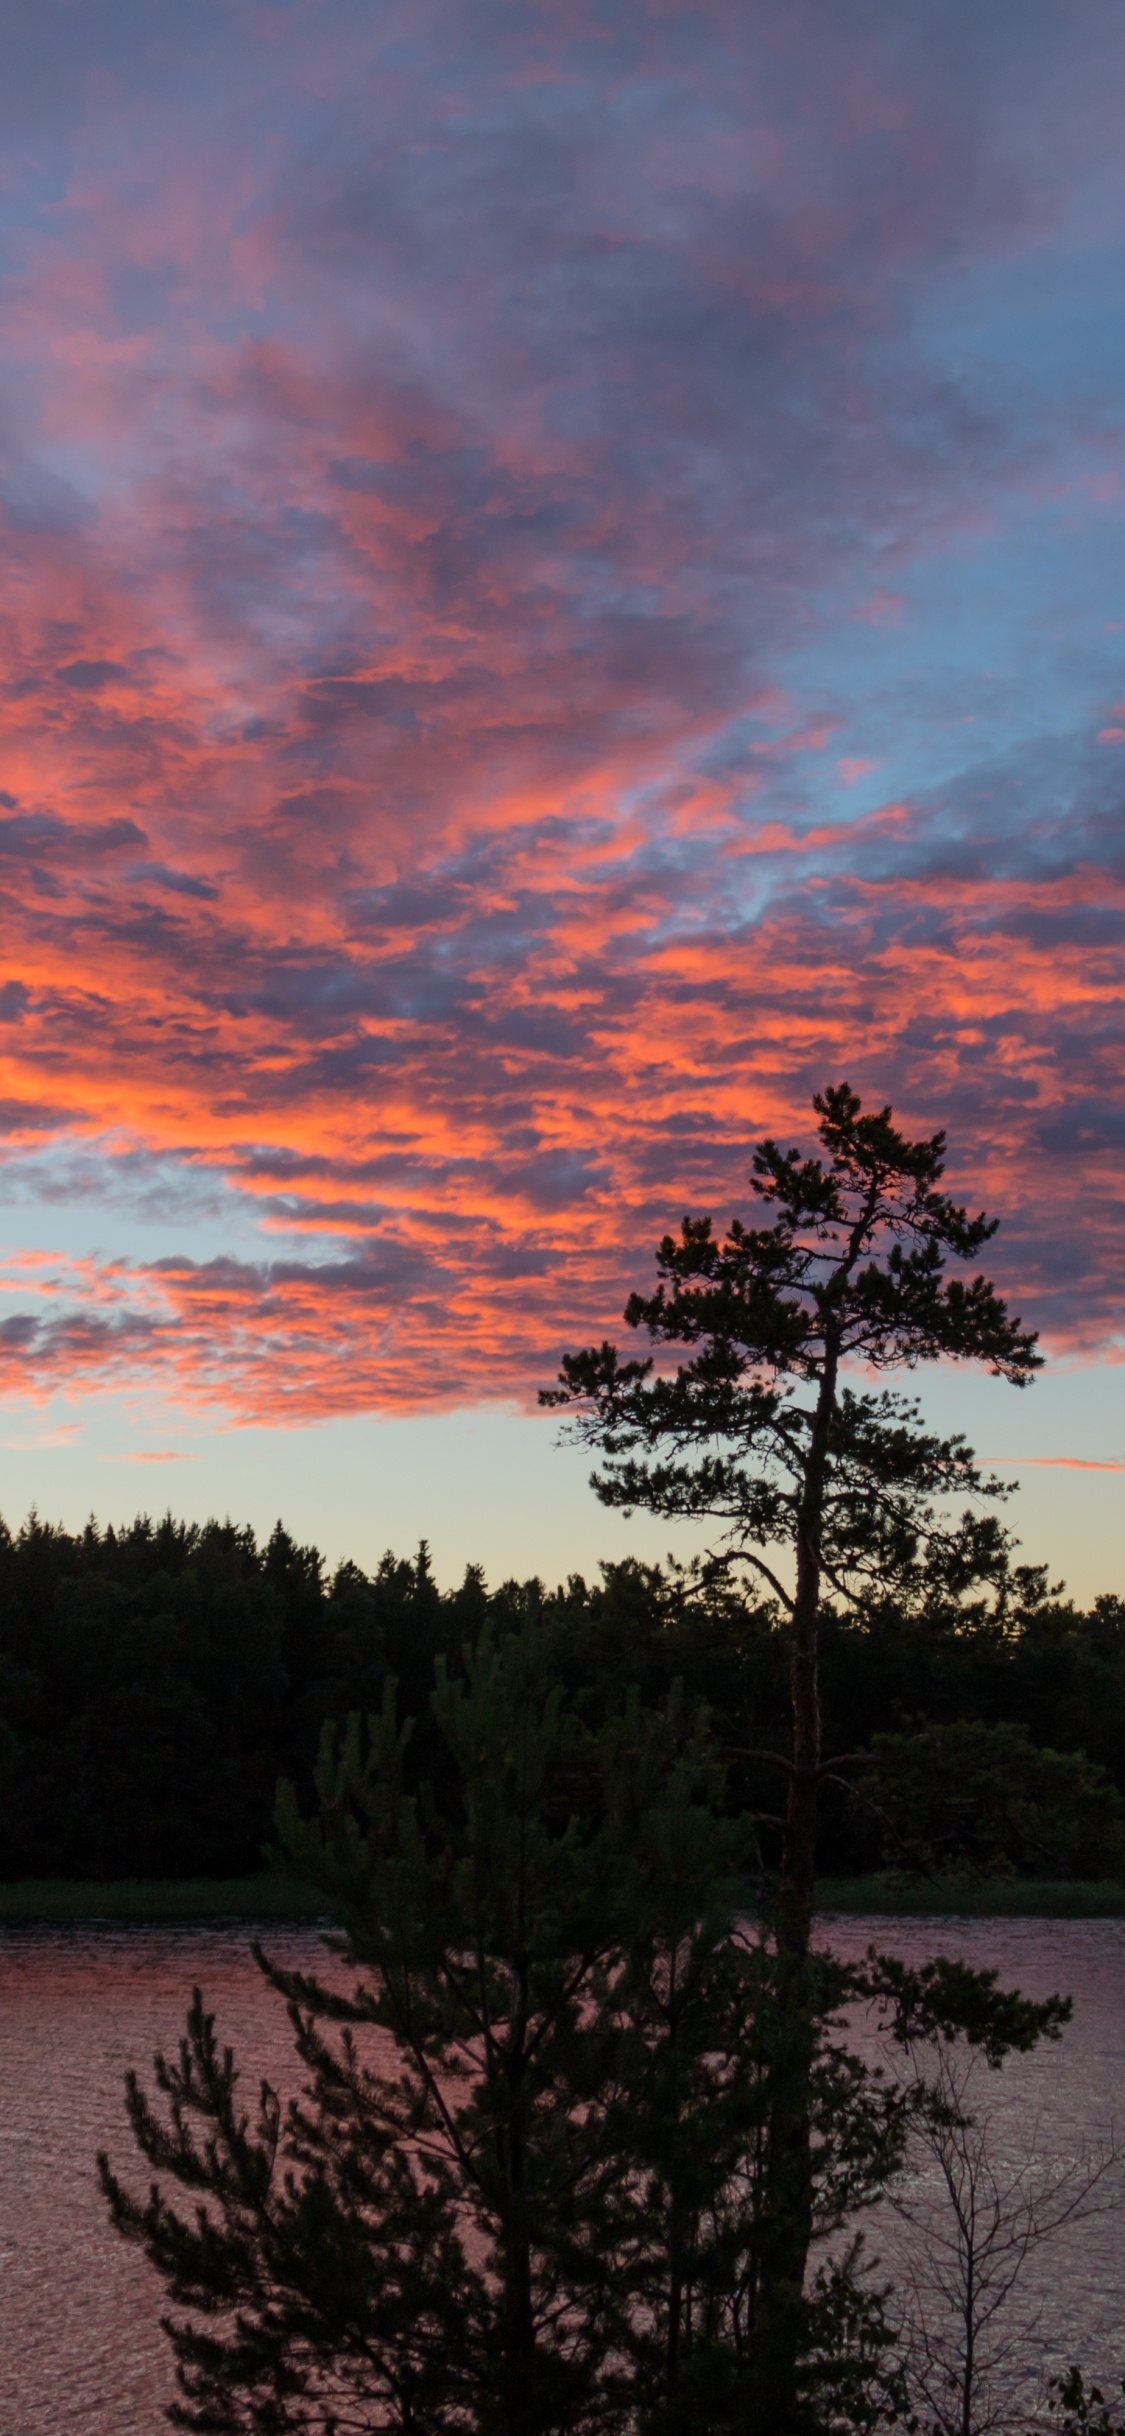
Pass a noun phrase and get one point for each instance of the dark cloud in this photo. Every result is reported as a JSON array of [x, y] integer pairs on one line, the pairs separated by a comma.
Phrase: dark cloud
[[180, 883], [89, 676], [43, 833]]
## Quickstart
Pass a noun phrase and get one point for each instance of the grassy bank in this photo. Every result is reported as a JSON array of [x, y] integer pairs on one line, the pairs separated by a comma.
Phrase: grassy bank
[[155, 1899], [1002, 1899], [270, 1898]]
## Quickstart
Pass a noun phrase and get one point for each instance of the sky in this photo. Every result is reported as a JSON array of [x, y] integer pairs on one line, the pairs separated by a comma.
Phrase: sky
[[563, 587]]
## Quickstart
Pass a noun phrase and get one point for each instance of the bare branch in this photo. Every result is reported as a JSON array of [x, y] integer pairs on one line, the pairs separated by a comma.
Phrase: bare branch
[[972, 2230]]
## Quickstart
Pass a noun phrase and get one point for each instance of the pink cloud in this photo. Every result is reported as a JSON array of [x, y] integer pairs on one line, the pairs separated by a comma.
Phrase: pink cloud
[[882, 609], [1066, 1463], [157, 1455]]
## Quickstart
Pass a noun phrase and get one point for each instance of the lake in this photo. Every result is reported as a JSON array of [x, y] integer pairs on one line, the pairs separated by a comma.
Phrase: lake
[[81, 2353]]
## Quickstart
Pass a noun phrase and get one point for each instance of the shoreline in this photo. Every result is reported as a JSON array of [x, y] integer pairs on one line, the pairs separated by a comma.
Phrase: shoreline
[[155, 1901], [998, 1899], [152, 1901]]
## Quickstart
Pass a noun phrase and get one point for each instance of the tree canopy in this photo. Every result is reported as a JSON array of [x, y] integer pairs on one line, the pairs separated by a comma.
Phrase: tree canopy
[[766, 1427]]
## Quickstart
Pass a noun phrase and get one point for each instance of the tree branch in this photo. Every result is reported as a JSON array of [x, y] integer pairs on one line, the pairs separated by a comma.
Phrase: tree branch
[[745, 1556]]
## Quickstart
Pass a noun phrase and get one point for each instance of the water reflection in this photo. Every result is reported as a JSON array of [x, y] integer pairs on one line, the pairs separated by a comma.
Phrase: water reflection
[[81, 2353], [1043, 2111]]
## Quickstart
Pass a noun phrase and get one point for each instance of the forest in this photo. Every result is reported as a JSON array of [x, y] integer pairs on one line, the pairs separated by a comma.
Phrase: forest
[[156, 1682]]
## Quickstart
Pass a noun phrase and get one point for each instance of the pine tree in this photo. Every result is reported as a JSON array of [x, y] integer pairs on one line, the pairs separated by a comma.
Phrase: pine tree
[[767, 1430], [525, 2189]]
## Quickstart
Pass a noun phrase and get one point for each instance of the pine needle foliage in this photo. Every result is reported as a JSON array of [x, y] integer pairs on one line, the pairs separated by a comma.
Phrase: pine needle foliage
[[525, 2186]]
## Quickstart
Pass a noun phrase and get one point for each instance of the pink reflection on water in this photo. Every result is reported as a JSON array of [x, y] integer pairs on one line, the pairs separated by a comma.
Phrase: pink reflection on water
[[81, 2353]]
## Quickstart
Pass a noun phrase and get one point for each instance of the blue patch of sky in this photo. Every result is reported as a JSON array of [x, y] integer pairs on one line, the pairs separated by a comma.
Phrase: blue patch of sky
[[1003, 639], [1006, 626], [90, 1201]]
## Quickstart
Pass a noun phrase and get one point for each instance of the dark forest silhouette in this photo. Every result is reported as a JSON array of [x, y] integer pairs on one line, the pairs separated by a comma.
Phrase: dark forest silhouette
[[156, 1682]]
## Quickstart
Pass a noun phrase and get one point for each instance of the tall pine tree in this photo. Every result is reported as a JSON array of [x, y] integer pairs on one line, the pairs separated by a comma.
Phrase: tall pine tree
[[768, 1430]]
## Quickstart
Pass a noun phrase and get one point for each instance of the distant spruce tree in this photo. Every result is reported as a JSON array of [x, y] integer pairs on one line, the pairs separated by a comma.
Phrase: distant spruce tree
[[525, 2189], [767, 1429]]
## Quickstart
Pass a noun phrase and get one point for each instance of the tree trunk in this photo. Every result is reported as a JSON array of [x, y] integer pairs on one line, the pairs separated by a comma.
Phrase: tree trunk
[[521, 2381], [522, 2400], [789, 2177]]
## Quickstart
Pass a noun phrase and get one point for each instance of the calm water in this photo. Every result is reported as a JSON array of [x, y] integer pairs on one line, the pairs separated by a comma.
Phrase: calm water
[[81, 2353], [1043, 2112]]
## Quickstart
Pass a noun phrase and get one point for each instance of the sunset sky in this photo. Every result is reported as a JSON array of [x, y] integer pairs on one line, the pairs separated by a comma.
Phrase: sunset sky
[[564, 585]]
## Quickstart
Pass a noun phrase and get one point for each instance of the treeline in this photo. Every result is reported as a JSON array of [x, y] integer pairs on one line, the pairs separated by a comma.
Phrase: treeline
[[156, 1682]]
